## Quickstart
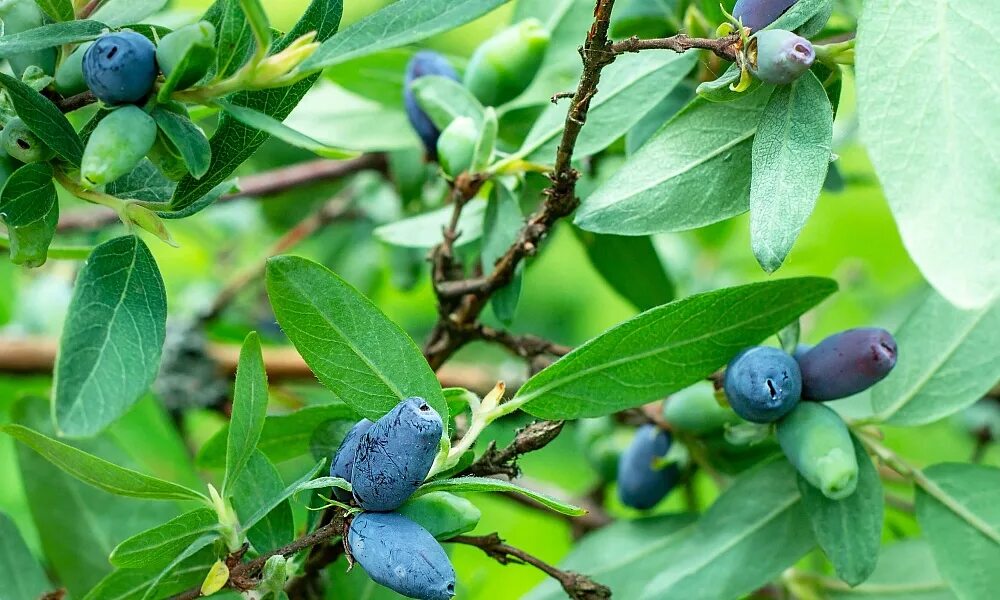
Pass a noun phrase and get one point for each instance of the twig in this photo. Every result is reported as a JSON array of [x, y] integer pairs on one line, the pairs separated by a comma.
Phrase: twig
[[577, 586], [333, 210], [525, 346], [262, 185], [244, 572], [724, 47], [460, 308], [71, 103], [37, 356], [504, 461]]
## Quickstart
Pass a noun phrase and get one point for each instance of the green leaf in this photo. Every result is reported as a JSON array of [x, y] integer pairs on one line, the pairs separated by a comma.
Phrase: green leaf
[[928, 120], [302, 483], [156, 547], [99, 472], [144, 182], [962, 523], [427, 230], [20, 573], [70, 514], [850, 530], [233, 142], [116, 13], [905, 571], [719, 90], [29, 207], [949, 360], [630, 88], [445, 99], [188, 138], [283, 437], [131, 584], [254, 492], [59, 10], [109, 353], [353, 349], [501, 226], [235, 39], [44, 119], [693, 172], [714, 561], [401, 23], [624, 556], [49, 36], [791, 155], [249, 410], [279, 130], [799, 14], [486, 484], [631, 266], [259, 23], [666, 349], [194, 548]]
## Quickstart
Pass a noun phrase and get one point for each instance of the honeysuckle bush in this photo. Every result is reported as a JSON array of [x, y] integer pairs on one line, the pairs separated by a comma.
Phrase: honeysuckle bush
[[660, 179]]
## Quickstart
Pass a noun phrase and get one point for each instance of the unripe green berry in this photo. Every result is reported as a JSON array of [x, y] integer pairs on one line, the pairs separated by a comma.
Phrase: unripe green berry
[[69, 75], [504, 65], [779, 57], [457, 146], [816, 440], [695, 410], [443, 514], [116, 146], [190, 48], [20, 143]]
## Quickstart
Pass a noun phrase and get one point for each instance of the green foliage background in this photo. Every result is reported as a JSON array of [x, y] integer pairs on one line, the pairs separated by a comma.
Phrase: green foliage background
[[851, 238]]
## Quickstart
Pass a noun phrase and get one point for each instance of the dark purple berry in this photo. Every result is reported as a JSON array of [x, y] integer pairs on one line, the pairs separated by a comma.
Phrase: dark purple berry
[[847, 363], [758, 14], [422, 64]]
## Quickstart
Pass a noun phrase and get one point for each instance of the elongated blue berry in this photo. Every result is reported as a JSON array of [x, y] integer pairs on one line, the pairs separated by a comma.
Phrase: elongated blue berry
[[847, 363], [780, 57], [342, 464], [763, 384], [422, 64], [402, 556], [642, 483], [395, 455]]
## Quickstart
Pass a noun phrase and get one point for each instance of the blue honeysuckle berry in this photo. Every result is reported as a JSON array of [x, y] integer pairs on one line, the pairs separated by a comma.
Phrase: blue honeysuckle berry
[[401, 555], [395, 455], [816, 441], [424, 63], [641, 482], [120, 68], [758, 14], [763, 384], [342, 464], [847, 363], [780, 57]]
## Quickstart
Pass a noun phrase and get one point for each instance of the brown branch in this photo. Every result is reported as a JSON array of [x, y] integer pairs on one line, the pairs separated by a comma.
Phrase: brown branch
[[335, 209], [504, 461], [525, 346], [262, 185], [459, 311], [37, 356], [71, 103], [724, 47], [243, 574], [577, 586]]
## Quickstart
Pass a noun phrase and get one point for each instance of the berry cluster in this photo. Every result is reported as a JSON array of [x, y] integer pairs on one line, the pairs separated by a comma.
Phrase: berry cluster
[[386, 461], [500, 70]]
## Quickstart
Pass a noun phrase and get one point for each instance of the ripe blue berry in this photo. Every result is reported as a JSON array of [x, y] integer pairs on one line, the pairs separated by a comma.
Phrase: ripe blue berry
[[758, 14], [395, 455], [342, 464], [763, 384], [641, 484], [401, 555], [847, 363], [120, 67], [422, 64], [780, 57]]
